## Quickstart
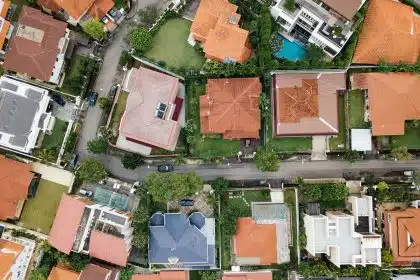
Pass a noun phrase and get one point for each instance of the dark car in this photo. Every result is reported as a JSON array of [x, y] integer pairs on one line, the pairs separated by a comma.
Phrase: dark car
[[93, 96], [186, 202], [113, 91], [73, 160], [58, 99], [166, 168], [50, 107]]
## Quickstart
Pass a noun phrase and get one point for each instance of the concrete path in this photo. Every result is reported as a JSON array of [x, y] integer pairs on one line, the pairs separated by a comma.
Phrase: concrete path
[[54, 174]]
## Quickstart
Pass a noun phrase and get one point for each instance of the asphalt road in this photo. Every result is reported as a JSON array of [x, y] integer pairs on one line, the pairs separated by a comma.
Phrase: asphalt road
[[288, 170]]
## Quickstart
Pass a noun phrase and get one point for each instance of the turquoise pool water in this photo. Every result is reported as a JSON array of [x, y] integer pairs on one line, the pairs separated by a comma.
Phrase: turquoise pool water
[[290, 50]]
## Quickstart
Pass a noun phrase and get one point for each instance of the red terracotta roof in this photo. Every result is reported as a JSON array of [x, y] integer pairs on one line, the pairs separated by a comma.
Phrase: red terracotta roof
[[391, 32], [108, 248], [99, 8], [393, 99], [9, 252], [402, 235], [49, 4], [163, 275], [230, 107], [254, 240], [60, 272], [66, 223], [216, 25], [75, 8], [258, 275], [15, 178], [307, 103], [35, 57]]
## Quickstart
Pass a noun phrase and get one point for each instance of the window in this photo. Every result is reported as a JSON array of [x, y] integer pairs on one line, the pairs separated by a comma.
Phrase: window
[[160, 111]]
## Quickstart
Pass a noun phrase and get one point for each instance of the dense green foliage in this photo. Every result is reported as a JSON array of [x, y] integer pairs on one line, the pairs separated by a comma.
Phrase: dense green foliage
[[126, 272], [324, 192], [140, 221], [171, 186], [90, 170], [220, 185], [208, 275], [264, 36], [141, 40], [382, 186], [351, 155], [400, 153], [125, 58], [98, 145], [217, 69], [94, 29], [267, 159], [149, 14], [131, 160], [290, 5], [386, 258]]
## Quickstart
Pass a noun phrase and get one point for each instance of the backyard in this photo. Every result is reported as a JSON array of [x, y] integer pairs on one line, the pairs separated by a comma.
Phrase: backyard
[[72, 73], [206, 147], [410, 139], [356, 109], [39, 212], [339, 143], [170, 45], [54, 140]]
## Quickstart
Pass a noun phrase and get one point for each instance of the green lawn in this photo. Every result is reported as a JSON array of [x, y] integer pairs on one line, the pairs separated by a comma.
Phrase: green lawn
[[292, 144], [356, 109], [410, 139], [39, 212], [71, 73], [340, 140], [206, 146], [119, 109], [56, 138], [170, 45]]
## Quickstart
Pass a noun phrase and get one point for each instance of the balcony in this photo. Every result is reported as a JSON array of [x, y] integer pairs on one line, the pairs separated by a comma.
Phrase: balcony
[[328, 32]]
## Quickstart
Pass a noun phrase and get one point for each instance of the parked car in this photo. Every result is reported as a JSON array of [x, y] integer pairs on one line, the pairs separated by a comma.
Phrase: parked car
[[166, 168], [58, 99], [50, 107], [93, 96], [73, 160], [85, 192], [113, 91], [186, 202]]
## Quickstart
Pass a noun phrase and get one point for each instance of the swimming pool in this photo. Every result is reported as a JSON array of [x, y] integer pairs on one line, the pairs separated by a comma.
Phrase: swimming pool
[[290, 50]]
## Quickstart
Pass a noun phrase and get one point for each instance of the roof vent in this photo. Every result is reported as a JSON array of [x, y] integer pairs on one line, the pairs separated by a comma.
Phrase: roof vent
[[233, 19]]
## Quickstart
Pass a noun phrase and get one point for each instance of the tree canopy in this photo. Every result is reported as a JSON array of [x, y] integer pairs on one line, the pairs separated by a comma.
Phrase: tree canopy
[[95, 29], [325, 192], [172, 186], [141, 40], [382, 186], [219, 186], [267, 159], [131, 160], [90, 170], [98, 145], [401, 153], [149, 14]]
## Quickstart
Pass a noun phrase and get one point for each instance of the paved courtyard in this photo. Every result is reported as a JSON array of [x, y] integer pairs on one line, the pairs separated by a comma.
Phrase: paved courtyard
[[64, 113], [201, 204]]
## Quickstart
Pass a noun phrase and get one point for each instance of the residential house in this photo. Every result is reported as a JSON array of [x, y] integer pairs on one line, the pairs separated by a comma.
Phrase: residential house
[[38, 48], [230, 107], [23, 114], [401, 234], [164, 275], [6, 29], [15, 179], [216, 26], [78, 12], [90, 272], [391, 32], [83, 226], [392, 99], [306, 103], [249, 275], [325, 23], [9, 254], [183, 242], [345, 239], [264, 238], [154, 111]]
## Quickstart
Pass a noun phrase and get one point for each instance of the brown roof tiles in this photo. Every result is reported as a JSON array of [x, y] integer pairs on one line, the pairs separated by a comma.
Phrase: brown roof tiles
[[15, 178], [216, 26], [306, 103], [35, 57], [99, 8], [95, 272], [230, 107], [346, 8], [393, 99], [256, 275], [391, 31], [60, 272]]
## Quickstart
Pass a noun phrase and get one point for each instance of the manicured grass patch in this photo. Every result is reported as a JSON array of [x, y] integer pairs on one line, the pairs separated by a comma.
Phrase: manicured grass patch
[[170, 45], [56, 138], [39, 212], [410, 139], [119, 109], [292, 144], [72, 73], [356, 109], [214, 147], [242, 200], [339, 143]]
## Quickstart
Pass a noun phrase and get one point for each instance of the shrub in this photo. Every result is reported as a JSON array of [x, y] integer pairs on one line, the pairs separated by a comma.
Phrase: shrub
[[141, 40], [386, 258], [290, 5], [125, 58], [98, 146], [267, 159], [90, 170], [131, 161], [161, 63], [94, 29], [400, 153], [382, 186], [351, 156], [149, 14]]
